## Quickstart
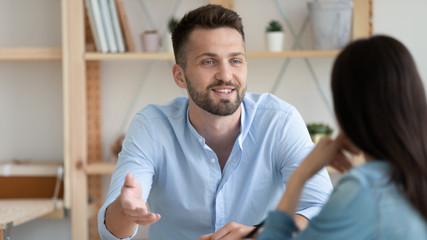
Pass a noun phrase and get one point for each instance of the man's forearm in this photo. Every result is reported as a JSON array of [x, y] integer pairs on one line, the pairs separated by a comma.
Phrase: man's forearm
[[117, 222]]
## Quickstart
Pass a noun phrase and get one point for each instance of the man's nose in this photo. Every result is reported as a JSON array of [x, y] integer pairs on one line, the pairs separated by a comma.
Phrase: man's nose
[[224, 72]]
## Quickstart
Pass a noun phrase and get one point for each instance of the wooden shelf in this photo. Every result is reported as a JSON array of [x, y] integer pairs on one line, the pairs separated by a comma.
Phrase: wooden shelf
[[100, 168], [18, 211], [30, 54], [293, 54], [170, 56], [129, 56]]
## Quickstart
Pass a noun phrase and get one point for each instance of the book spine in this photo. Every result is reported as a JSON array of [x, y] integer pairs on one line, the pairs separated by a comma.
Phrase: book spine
[[99, 28], [108, 26], [130, 46], [116, 26], [92, 25]]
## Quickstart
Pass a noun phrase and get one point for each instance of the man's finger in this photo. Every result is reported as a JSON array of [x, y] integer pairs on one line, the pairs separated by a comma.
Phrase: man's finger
[[148, 219], [206, 236]]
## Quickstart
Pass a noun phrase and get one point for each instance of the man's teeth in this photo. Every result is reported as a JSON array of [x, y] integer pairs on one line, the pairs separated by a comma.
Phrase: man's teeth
[[223, 90]]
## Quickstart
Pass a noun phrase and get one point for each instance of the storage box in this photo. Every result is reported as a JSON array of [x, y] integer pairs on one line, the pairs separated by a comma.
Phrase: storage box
[[30, 180]]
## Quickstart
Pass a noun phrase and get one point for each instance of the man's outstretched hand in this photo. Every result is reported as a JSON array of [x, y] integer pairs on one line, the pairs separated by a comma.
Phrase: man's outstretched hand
[[128, 210], [132, 204]]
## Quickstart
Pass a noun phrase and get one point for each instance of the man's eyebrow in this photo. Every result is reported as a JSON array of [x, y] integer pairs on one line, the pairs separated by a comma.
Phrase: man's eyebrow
[[237, 54], [208, 54]]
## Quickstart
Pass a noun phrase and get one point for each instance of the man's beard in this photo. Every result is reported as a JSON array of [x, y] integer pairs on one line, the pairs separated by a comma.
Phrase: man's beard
[[224, 108]]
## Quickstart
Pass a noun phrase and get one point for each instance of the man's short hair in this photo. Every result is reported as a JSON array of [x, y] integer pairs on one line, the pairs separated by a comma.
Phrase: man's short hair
[[210, 16]]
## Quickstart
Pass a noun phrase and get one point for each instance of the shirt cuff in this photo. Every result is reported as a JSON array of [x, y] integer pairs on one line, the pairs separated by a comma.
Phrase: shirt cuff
[[104, 233], [310, 212]]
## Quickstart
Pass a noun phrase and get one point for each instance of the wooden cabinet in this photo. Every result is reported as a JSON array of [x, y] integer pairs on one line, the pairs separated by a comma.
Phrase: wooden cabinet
[[82, 98]]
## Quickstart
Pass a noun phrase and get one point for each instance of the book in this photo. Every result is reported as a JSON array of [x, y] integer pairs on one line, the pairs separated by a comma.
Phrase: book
[[95, 20], [116, 26], [125, 26], [108, 26], [93, 36]]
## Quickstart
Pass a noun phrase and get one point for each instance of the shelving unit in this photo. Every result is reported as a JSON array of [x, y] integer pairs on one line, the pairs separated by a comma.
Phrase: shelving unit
[[30, 54], [19, 205], [14, 212], [81, 78], [30, 191]]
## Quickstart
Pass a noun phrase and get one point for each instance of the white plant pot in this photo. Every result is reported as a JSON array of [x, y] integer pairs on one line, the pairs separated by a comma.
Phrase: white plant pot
[[168, 42], [150, 41], [275, 41]]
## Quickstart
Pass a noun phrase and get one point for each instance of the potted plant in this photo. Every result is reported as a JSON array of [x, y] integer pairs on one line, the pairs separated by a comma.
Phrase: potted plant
[[168, 37], [318, 130], [275, 36]]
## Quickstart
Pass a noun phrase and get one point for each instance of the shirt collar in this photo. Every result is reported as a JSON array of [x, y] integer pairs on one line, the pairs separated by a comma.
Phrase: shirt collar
[[245, 106]]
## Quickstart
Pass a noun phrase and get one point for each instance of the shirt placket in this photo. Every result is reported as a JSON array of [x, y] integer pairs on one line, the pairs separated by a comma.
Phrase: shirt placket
[[221, 194]]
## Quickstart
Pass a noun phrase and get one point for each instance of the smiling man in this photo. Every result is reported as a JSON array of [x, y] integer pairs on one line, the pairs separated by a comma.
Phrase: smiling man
[[213, 164]]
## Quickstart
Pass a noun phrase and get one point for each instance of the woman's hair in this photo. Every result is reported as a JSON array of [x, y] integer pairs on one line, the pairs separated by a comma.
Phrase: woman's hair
[[210, 16], [380, 104]]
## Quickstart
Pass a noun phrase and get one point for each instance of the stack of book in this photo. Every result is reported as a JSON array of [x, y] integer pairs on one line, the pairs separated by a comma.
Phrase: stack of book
[[109, 26]]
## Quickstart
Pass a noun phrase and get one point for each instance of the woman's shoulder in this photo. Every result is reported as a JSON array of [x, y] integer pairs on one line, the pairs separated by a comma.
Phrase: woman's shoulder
[[371, 174], [392, 214]]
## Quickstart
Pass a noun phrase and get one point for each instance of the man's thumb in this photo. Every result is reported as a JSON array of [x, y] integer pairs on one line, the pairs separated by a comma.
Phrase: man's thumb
[[130, 181]]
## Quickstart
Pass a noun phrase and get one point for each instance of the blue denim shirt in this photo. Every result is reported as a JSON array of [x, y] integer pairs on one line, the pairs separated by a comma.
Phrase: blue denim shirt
[[364, 205], [182, 180]]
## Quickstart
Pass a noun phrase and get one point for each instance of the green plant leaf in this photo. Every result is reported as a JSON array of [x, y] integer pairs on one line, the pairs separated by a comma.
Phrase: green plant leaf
[[172, 23], [319, 128], [274, 26]]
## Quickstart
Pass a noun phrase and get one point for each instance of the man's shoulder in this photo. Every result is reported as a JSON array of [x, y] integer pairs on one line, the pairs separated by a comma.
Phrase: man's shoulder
[[266, 101], [174, 108]]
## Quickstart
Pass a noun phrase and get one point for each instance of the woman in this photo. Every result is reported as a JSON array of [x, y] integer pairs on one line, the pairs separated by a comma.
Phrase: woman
[[380, 105]]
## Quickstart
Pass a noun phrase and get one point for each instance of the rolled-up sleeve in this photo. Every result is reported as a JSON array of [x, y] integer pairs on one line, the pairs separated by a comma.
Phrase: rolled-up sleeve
[[295, 145], [103, 231], [134, 160]]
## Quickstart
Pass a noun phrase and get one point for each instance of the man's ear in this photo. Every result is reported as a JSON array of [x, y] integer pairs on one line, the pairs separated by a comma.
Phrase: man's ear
[[178, 76]]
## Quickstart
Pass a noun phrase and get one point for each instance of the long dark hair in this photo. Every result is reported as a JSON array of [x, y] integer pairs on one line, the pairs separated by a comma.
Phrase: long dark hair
[[209, 16], [380, 104]]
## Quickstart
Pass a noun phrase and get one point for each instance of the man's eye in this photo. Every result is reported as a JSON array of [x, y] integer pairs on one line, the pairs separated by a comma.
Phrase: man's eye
[[208, 62], [236, 61]]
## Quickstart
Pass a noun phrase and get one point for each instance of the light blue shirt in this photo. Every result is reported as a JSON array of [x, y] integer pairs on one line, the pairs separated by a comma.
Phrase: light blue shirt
[[182, 180], [364, 205]]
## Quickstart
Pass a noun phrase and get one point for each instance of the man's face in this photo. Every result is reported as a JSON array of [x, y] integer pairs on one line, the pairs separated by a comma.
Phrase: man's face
[[216, 70]]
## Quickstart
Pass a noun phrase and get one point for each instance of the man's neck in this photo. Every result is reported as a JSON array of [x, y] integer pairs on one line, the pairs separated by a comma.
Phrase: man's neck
[[219, 132]]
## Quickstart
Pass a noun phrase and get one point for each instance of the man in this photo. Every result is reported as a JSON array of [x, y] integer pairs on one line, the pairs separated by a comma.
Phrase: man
[[212, 165]]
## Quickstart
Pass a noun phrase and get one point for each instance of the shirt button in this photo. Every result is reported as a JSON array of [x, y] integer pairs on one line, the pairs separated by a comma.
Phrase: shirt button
[[200, 140], [213, 160]]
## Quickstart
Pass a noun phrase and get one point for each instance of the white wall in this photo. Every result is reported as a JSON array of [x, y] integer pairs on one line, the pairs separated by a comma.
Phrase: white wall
[[30, 92], [405, 21]]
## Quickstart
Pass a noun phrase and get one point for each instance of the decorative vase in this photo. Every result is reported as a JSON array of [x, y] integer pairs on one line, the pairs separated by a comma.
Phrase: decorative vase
[[150, 41], [331, 23], [275, 41]]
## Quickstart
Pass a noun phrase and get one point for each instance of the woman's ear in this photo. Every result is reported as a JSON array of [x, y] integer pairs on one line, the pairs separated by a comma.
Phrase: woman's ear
[[179, 76]]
